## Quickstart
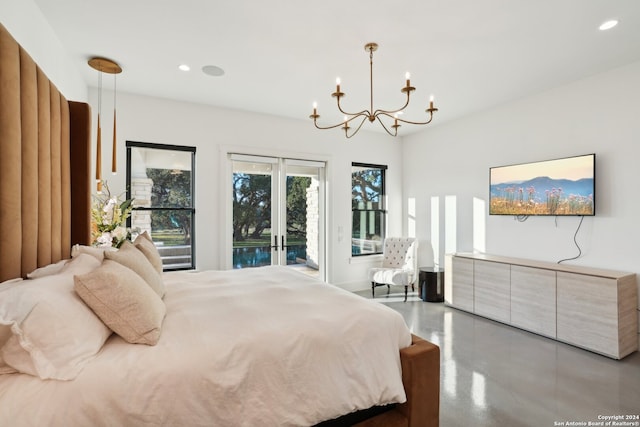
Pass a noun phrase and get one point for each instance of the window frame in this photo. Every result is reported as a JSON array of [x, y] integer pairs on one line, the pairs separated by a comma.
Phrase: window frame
[[382, 209], [168, 147]]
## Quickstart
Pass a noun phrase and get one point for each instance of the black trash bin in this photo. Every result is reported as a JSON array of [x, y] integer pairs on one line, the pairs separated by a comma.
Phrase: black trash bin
[[431, 284]]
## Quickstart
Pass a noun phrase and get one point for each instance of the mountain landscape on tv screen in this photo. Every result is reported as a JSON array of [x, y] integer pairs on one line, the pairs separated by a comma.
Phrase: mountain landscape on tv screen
[[543, 196]]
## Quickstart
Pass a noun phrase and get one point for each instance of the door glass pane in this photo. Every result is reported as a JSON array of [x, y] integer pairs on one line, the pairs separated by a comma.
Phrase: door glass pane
[[252, 237], [303, 217]]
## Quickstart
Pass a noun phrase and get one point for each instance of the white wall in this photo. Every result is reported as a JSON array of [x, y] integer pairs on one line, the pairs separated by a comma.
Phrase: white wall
[[598, 115], [214, 132], [25, 22]]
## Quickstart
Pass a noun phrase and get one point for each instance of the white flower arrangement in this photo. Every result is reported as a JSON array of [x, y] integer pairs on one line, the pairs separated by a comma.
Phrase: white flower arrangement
[[108, 219]]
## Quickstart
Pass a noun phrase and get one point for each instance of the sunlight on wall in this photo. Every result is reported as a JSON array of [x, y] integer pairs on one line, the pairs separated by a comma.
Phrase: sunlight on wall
[[435, 228], [479, 225], [450, 224], [411, 217]]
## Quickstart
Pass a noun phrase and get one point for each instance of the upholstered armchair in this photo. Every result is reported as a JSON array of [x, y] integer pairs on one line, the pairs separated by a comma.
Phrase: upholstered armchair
[[399, 265]]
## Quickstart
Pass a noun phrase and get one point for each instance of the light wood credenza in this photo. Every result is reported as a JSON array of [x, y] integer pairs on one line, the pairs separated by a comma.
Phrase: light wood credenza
[[587, 307]]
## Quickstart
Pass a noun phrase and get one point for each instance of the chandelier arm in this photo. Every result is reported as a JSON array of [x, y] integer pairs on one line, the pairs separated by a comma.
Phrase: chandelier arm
[[346, 113], [417, 123], [388, 112], [384, 127], [363, 114], [357, 129], [327, 127]]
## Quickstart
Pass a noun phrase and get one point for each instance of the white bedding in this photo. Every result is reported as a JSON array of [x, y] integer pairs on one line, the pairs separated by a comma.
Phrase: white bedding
[[255, 347]]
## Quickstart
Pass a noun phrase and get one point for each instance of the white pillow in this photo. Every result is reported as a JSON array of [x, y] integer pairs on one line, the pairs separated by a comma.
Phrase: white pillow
[[98, 253], [47, 270], [81, 264], [5, 329], [45, 328]]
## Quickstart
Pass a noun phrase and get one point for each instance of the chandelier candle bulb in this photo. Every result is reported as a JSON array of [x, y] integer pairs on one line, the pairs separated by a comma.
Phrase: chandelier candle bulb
[[346, 124], [315, 115], [408, 77]]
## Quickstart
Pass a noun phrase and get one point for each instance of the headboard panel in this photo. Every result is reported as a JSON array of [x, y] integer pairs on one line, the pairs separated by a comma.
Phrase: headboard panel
[[40, 131], [80, 154]]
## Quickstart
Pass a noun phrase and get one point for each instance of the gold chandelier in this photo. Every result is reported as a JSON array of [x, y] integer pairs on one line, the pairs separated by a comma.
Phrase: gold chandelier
[[370, 114]]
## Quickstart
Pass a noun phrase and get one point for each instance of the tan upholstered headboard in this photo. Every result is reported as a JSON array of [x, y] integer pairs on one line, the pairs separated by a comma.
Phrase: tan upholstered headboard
[[44, 166]]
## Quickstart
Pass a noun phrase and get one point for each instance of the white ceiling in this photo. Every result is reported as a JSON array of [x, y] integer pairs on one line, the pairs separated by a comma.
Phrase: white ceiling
[[280, 56]]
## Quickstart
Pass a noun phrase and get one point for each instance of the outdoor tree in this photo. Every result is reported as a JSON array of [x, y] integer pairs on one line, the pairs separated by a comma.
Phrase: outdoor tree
[[367, 190], [297, 205], [251, 205], [366, 186], [171, 189]]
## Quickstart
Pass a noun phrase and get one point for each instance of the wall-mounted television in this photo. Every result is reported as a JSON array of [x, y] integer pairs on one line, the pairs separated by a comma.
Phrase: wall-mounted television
[[552, 187]]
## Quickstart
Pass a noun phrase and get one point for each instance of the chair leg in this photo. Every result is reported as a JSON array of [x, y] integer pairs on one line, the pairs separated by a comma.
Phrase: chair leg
[[406, 288], [373, 287], [388, 289]]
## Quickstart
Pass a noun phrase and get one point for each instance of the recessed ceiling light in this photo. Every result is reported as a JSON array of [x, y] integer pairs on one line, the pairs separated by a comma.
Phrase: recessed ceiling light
[[212, 70], [607, 25], [184, 67]]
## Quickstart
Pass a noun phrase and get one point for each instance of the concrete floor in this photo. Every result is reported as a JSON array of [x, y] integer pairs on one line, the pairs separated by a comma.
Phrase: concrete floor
[[497, 375]]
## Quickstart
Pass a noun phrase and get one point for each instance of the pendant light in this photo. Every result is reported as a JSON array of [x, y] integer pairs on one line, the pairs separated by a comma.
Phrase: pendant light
[[103, 65]]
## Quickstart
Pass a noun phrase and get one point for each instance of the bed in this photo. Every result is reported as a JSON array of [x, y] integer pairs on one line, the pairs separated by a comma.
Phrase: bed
[[265, 346]]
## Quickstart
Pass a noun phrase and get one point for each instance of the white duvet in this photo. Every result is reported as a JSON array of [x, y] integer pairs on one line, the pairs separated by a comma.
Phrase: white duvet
[[255, 347]]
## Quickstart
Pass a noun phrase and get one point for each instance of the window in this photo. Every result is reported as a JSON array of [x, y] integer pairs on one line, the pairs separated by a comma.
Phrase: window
[[368, 200], [160, 179]]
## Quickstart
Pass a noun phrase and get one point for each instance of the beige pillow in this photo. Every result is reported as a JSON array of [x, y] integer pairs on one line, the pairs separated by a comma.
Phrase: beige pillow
[[146, 246], [123, 301], [129, 256]]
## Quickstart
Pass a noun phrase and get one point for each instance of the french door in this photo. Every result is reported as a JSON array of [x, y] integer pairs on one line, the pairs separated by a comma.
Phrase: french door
[[278, 213]]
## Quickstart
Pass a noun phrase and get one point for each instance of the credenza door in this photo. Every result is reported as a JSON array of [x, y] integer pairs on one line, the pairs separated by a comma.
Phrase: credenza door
[[461, 292], [588, 312], [492, 292], [533, 300]]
